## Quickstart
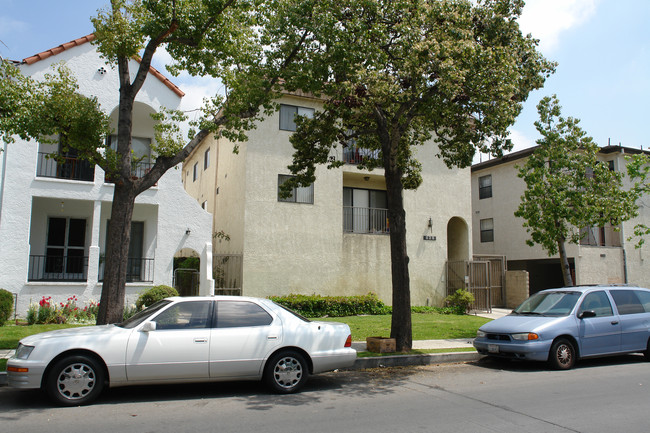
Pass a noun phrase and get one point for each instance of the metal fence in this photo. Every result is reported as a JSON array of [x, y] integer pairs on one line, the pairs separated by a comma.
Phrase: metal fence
[[227, 272]]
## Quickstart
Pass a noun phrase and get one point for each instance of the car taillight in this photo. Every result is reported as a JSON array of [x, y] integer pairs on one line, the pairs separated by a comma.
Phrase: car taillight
[[348, 342]]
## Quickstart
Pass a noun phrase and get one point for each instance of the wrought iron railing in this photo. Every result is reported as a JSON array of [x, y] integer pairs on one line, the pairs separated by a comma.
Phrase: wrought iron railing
[[365, 220], [138, 170], [70, 168], [356, 155], [58, 268], [138, 270]]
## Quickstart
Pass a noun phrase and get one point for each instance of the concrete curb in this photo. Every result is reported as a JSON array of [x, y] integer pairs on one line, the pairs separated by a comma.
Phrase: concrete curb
[[406, 360]]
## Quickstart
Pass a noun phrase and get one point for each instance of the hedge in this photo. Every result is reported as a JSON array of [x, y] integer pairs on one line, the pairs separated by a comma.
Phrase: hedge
[[333, 306]]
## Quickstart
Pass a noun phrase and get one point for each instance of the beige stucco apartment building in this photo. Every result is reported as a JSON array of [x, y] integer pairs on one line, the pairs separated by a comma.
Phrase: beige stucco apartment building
[[330, 238], [604, 256]]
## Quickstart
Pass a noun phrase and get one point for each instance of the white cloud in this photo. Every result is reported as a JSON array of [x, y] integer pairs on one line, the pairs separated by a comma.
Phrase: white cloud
[[547, 19], [520, 140]]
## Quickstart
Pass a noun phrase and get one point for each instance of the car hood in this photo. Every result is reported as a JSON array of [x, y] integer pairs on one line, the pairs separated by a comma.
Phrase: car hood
[[81, 332], [521, 323]]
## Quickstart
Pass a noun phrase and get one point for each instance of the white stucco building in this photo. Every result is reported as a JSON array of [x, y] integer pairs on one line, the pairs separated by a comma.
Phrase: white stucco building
[[330, 238], [53, 217], [604, 255]]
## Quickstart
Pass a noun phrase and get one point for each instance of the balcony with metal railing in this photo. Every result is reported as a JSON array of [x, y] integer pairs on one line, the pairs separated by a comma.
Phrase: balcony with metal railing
[[138, 270], [58, 268], [138, 170], [355, 155], [365, 220], [64, 167]]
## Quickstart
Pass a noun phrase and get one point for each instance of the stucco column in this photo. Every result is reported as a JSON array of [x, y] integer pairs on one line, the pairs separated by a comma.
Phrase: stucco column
[[207, 282], [93, 249]]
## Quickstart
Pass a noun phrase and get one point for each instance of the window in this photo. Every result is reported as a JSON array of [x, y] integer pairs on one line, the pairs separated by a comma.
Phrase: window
[[487, 230], [627, 302], [237, 314], [66, 246], [288, 114], [195, 172], [485, 187], [598, 302], [206, 159], [301, 194], [365, 211], [185, 315]]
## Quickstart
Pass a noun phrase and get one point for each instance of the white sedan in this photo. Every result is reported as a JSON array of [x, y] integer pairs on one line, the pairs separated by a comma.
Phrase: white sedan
[[189, 339]]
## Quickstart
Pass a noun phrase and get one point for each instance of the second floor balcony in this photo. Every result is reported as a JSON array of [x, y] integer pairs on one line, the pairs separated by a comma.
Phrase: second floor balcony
[[355, 155], [66, 167]]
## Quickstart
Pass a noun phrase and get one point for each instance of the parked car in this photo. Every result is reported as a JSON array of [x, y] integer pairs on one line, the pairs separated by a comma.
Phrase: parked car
[[562, 325], [183, 339]]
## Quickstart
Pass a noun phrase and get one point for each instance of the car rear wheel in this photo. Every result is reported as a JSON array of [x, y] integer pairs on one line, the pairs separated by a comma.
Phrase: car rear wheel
[[646, 354], [286, 372], [562, 355], [75, 380]]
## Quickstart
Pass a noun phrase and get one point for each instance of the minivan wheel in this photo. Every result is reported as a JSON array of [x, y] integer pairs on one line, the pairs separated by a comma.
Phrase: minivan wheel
[[75, 380], [646, 354], [562, 355]]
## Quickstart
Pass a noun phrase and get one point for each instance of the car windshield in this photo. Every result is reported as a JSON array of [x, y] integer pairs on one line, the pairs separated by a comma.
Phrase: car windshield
[[143, 315], [549, 304]]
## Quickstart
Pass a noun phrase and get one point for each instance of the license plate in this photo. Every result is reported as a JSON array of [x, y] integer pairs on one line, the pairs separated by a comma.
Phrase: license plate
[[493, 348]]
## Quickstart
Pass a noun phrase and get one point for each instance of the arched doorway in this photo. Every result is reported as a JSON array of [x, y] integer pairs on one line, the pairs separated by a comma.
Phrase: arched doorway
[[457, 240]]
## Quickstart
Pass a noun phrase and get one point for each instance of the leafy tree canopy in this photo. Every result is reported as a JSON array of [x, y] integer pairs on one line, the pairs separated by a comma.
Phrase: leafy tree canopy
[[568, 187]]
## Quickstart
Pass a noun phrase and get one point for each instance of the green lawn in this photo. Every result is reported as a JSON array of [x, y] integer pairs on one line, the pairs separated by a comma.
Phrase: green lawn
[[425, 326]]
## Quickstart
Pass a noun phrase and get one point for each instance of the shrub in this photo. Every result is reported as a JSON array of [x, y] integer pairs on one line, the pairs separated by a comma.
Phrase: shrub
[[333, 306], [154, 295], [460, 300], [6, 305]]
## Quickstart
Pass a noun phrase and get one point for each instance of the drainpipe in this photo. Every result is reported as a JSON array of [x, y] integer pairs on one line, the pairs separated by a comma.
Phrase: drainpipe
[[4, 174]]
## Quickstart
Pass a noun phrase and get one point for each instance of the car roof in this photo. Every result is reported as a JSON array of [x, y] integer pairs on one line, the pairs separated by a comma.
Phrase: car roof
[[589, 288], [216, 298]]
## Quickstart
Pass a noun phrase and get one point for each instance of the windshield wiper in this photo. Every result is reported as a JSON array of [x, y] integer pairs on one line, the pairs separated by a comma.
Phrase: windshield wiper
[[531, 313]]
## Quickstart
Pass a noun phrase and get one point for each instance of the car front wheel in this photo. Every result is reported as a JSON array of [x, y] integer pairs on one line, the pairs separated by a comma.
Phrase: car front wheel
[[562, 355], [75, 380], [286, 372], [646, 354]]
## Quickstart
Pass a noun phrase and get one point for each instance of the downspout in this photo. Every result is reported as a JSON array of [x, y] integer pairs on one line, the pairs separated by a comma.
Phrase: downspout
[[3, 151]]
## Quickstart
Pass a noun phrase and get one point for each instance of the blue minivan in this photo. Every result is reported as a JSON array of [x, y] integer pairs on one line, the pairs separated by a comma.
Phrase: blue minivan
[[562, 325]]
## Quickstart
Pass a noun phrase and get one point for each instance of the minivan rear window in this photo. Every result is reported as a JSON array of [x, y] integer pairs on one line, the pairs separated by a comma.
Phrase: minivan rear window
[[627, 302]]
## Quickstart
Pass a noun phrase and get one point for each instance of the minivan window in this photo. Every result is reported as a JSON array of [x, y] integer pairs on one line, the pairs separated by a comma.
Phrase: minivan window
[[644, 297], [627, 302], [598, 302], [549, 304]]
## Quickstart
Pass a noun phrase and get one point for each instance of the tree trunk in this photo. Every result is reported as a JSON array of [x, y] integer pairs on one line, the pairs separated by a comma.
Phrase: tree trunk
[[564, 264], [111, 304], [401, 327]]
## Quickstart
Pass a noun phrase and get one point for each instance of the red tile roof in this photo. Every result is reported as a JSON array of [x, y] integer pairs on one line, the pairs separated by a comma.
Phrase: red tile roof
[[80, 41]]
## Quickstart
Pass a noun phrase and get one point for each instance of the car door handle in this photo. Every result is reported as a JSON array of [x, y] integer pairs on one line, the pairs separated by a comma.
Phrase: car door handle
[[200, 340], [615, 322], [271, 337]]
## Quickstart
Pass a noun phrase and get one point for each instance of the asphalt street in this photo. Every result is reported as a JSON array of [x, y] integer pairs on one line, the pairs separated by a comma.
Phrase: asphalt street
[[607, 395]]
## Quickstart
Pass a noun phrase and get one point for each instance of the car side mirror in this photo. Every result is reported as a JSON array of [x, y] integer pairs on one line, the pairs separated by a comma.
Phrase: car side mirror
[[586, 314], [148, 327]]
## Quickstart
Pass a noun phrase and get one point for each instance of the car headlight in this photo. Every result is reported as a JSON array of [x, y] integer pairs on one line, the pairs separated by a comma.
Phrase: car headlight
[[525, 336], [480, 334], [23, 351]]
